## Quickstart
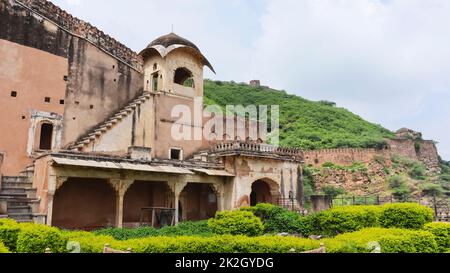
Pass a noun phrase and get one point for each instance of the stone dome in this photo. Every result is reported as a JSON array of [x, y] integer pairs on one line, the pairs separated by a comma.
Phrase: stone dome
[[167, 43], [172, 39]]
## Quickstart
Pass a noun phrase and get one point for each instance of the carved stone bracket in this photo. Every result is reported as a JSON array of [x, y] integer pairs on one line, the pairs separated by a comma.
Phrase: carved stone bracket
[[55, 183], [177, 186], [60, 180], [121, 185], [218, 189]]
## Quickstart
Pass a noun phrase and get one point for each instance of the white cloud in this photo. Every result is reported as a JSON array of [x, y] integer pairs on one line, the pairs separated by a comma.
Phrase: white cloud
[[386, 60]]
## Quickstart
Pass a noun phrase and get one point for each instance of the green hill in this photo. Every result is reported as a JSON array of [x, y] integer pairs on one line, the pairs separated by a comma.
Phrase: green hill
[[304, 124]]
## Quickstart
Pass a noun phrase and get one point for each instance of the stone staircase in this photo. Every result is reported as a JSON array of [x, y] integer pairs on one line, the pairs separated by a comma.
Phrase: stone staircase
[[19, 198], [104, 127]]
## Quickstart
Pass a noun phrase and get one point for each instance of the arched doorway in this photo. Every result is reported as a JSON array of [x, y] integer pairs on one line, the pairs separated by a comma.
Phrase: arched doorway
[[198, 202], [84, 204], [264, 192], [144, 194]]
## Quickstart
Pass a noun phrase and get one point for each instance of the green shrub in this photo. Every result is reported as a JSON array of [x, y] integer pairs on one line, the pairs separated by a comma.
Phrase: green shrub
[[127, 233], [200, 228], [218, 244], [442, 233], [399, 186], [36, 238], [88, 242], [236, 223], [182, 229], [3, 248], [344, 219], [390, 241], [407, 215], [277, 219], [9, 232]]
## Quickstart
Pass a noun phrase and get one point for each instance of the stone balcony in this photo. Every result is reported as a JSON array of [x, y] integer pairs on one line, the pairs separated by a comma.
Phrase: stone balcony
[[258, 150]]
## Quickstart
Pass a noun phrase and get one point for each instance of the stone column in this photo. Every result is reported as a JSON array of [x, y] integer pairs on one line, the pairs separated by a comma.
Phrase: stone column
[[220, 193], [120, 186], [54, 184], [177, 187]]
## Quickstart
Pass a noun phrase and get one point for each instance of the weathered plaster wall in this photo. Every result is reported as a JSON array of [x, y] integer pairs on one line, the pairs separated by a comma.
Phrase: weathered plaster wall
[[34, 75], [98, 87], [164, 139], [133, 130], [93, 201], [41, 48]]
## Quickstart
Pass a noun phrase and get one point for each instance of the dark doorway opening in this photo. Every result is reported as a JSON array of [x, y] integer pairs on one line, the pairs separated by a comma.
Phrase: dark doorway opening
[[45, 142]]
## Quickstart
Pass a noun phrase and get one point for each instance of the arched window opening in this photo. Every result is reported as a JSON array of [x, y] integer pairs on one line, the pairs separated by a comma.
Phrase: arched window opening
[[184, 77], [155, 82], [45, 141]]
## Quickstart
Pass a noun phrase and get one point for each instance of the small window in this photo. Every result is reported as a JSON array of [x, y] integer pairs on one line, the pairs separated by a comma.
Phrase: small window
[[155, 66], [184, 77], [47, 99], [66, 78], [14, 94], [61, 102], [23, 117], [92, 107], [175, 154], [45, 142]]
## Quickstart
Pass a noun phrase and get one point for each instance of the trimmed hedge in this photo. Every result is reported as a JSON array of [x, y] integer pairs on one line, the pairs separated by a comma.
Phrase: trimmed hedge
[[442, 233], [216, 244], [408, 215], [9, 232], [236, 223], [3, 248], [200, 228], [344, 219], [36, 238], [390, 240], [88, 242]]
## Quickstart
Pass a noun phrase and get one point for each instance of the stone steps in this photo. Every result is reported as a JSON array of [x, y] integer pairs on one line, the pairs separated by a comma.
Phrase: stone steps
[[28, 217], [16, 179], [20, 197], [19, 210], [110, 123]]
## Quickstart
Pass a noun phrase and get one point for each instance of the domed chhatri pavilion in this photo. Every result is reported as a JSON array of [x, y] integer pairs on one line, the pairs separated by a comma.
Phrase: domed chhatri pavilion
[[87, 130]]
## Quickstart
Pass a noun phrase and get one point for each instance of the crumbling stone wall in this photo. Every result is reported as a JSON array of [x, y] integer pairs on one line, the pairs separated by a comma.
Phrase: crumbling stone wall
[[344, 157], [67, 24], [428, 154], [420, 150]]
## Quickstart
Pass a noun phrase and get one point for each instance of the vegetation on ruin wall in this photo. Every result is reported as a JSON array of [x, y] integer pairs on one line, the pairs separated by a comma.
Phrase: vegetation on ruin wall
[[304, 124], [397, 176]]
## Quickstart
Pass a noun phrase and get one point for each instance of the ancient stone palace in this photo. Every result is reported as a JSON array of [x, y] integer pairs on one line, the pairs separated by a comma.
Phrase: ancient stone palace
[[87, 131], [86, 127]]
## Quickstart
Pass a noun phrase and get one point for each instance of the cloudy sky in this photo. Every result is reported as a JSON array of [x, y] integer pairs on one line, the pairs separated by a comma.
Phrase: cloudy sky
[[386, 60]]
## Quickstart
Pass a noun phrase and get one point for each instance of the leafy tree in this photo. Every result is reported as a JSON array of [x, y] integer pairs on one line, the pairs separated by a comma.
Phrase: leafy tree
[[332, 191]]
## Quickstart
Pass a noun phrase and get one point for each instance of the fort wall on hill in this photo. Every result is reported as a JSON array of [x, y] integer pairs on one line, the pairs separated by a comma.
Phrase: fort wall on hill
[[423, 150]]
